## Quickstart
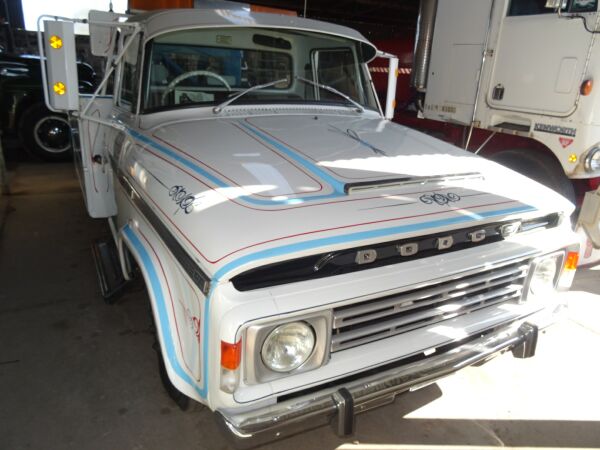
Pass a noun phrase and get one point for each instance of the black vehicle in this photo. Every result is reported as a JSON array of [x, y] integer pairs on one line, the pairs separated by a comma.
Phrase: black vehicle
[[24, 114]]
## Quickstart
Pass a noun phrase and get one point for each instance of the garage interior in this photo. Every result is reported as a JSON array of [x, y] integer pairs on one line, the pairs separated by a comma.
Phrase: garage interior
[[77, 372]]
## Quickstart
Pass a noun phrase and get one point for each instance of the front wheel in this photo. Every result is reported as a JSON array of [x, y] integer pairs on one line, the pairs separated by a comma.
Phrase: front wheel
[[46, 134], [540, 167], [180, 399]]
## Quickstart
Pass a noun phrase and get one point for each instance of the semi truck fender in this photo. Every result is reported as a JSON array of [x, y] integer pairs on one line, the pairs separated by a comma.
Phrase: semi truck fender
[[532, 159]]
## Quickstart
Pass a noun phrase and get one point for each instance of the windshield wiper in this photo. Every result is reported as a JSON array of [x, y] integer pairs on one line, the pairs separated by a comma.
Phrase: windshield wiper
[[219, 108], [333, 90]]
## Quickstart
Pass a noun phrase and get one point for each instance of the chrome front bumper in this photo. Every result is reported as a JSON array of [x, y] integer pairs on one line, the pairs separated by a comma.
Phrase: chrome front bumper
[[339, 405]]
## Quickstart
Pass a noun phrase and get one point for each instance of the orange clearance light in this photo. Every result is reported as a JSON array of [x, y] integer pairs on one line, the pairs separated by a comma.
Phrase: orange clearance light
[[231, 355], [572, 158], [59, 88], [56, 42], [571, 261], [586, 87]]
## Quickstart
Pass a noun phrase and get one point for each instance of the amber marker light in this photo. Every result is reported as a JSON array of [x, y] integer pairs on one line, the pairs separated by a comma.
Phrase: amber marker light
[[59, 88], [572, 158], [586, 87], [56, 42], [571, 260], [231, 355]]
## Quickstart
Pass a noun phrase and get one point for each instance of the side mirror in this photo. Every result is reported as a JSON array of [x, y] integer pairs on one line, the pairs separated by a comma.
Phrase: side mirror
[[61, 83], [102, 31]]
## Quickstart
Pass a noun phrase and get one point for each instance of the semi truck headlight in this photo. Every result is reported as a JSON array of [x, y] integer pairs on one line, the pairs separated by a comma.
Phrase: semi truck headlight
[[592, 160], [543, 279], [288, 346]]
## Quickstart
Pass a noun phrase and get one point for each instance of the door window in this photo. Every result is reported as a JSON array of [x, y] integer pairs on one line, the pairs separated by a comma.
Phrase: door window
[[129, 77]]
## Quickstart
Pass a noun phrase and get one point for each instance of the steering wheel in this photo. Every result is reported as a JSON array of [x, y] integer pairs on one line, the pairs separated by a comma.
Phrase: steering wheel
[[178, 79]]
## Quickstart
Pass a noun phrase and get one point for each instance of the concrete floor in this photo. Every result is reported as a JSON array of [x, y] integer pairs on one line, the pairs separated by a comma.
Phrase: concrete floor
[[77, 373]]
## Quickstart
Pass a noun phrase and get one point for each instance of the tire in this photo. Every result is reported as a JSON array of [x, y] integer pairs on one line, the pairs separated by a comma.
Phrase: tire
[[180, 399], [541, 167], [46, 134]]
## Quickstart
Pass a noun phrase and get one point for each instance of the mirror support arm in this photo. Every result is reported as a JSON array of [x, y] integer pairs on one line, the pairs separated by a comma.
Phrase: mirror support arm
[[390, 100]]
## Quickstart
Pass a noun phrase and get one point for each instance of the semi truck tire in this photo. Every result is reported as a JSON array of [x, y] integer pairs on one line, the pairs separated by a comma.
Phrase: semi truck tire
[[541, 167], [45, 134]]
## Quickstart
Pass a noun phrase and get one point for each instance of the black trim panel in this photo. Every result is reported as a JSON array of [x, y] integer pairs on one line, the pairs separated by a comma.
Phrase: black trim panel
[[383, 254], [190, 266]]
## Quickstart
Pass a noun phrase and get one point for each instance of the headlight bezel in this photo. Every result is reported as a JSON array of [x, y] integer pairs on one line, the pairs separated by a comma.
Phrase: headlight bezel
[[255, 370], [589, 158], [559, 258]]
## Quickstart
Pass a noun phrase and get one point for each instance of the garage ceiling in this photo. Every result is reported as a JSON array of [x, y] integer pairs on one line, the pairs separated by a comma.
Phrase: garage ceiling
[[376, 18]]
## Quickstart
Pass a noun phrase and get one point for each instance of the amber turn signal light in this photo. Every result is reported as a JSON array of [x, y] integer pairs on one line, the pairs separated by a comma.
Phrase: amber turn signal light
[[571, 261], [586, 87], [59, 88], [231, 355], [56, 42]]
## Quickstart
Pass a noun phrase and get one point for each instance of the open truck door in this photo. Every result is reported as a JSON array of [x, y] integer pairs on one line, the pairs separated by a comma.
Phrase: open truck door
[[93, 128], [457, 58]]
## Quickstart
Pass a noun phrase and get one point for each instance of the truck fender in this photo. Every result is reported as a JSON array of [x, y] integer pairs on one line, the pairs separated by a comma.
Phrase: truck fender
[[159, 291]]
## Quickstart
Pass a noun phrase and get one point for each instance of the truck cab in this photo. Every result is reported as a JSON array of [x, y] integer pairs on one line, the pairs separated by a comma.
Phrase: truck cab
[[306, 259], [514, 83]]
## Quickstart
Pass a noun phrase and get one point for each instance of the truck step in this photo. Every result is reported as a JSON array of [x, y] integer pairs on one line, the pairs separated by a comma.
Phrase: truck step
[[108, 268]]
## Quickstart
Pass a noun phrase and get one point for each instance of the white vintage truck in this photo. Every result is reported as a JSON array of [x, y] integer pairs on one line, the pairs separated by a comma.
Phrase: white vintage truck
[[306, 259]]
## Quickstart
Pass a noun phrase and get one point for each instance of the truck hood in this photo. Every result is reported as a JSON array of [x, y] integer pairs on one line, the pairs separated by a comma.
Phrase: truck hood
[[242, 193]]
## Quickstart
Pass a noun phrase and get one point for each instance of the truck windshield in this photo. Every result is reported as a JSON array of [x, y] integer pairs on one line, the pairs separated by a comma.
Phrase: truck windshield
[[206, 67]]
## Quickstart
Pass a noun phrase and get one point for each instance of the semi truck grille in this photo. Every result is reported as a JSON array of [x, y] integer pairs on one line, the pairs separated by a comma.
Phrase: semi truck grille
[[372, 320]]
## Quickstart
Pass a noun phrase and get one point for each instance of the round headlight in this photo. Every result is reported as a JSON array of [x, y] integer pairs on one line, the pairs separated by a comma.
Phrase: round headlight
[[543, 277], [288, 346], [592, 160]]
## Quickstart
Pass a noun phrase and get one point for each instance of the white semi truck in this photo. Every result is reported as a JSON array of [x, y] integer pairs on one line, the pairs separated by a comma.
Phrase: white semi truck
[[511, 80], [306, 259]]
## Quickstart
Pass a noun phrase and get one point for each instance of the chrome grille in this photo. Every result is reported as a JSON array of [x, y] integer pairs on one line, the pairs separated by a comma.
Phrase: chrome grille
[[372, 320]]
